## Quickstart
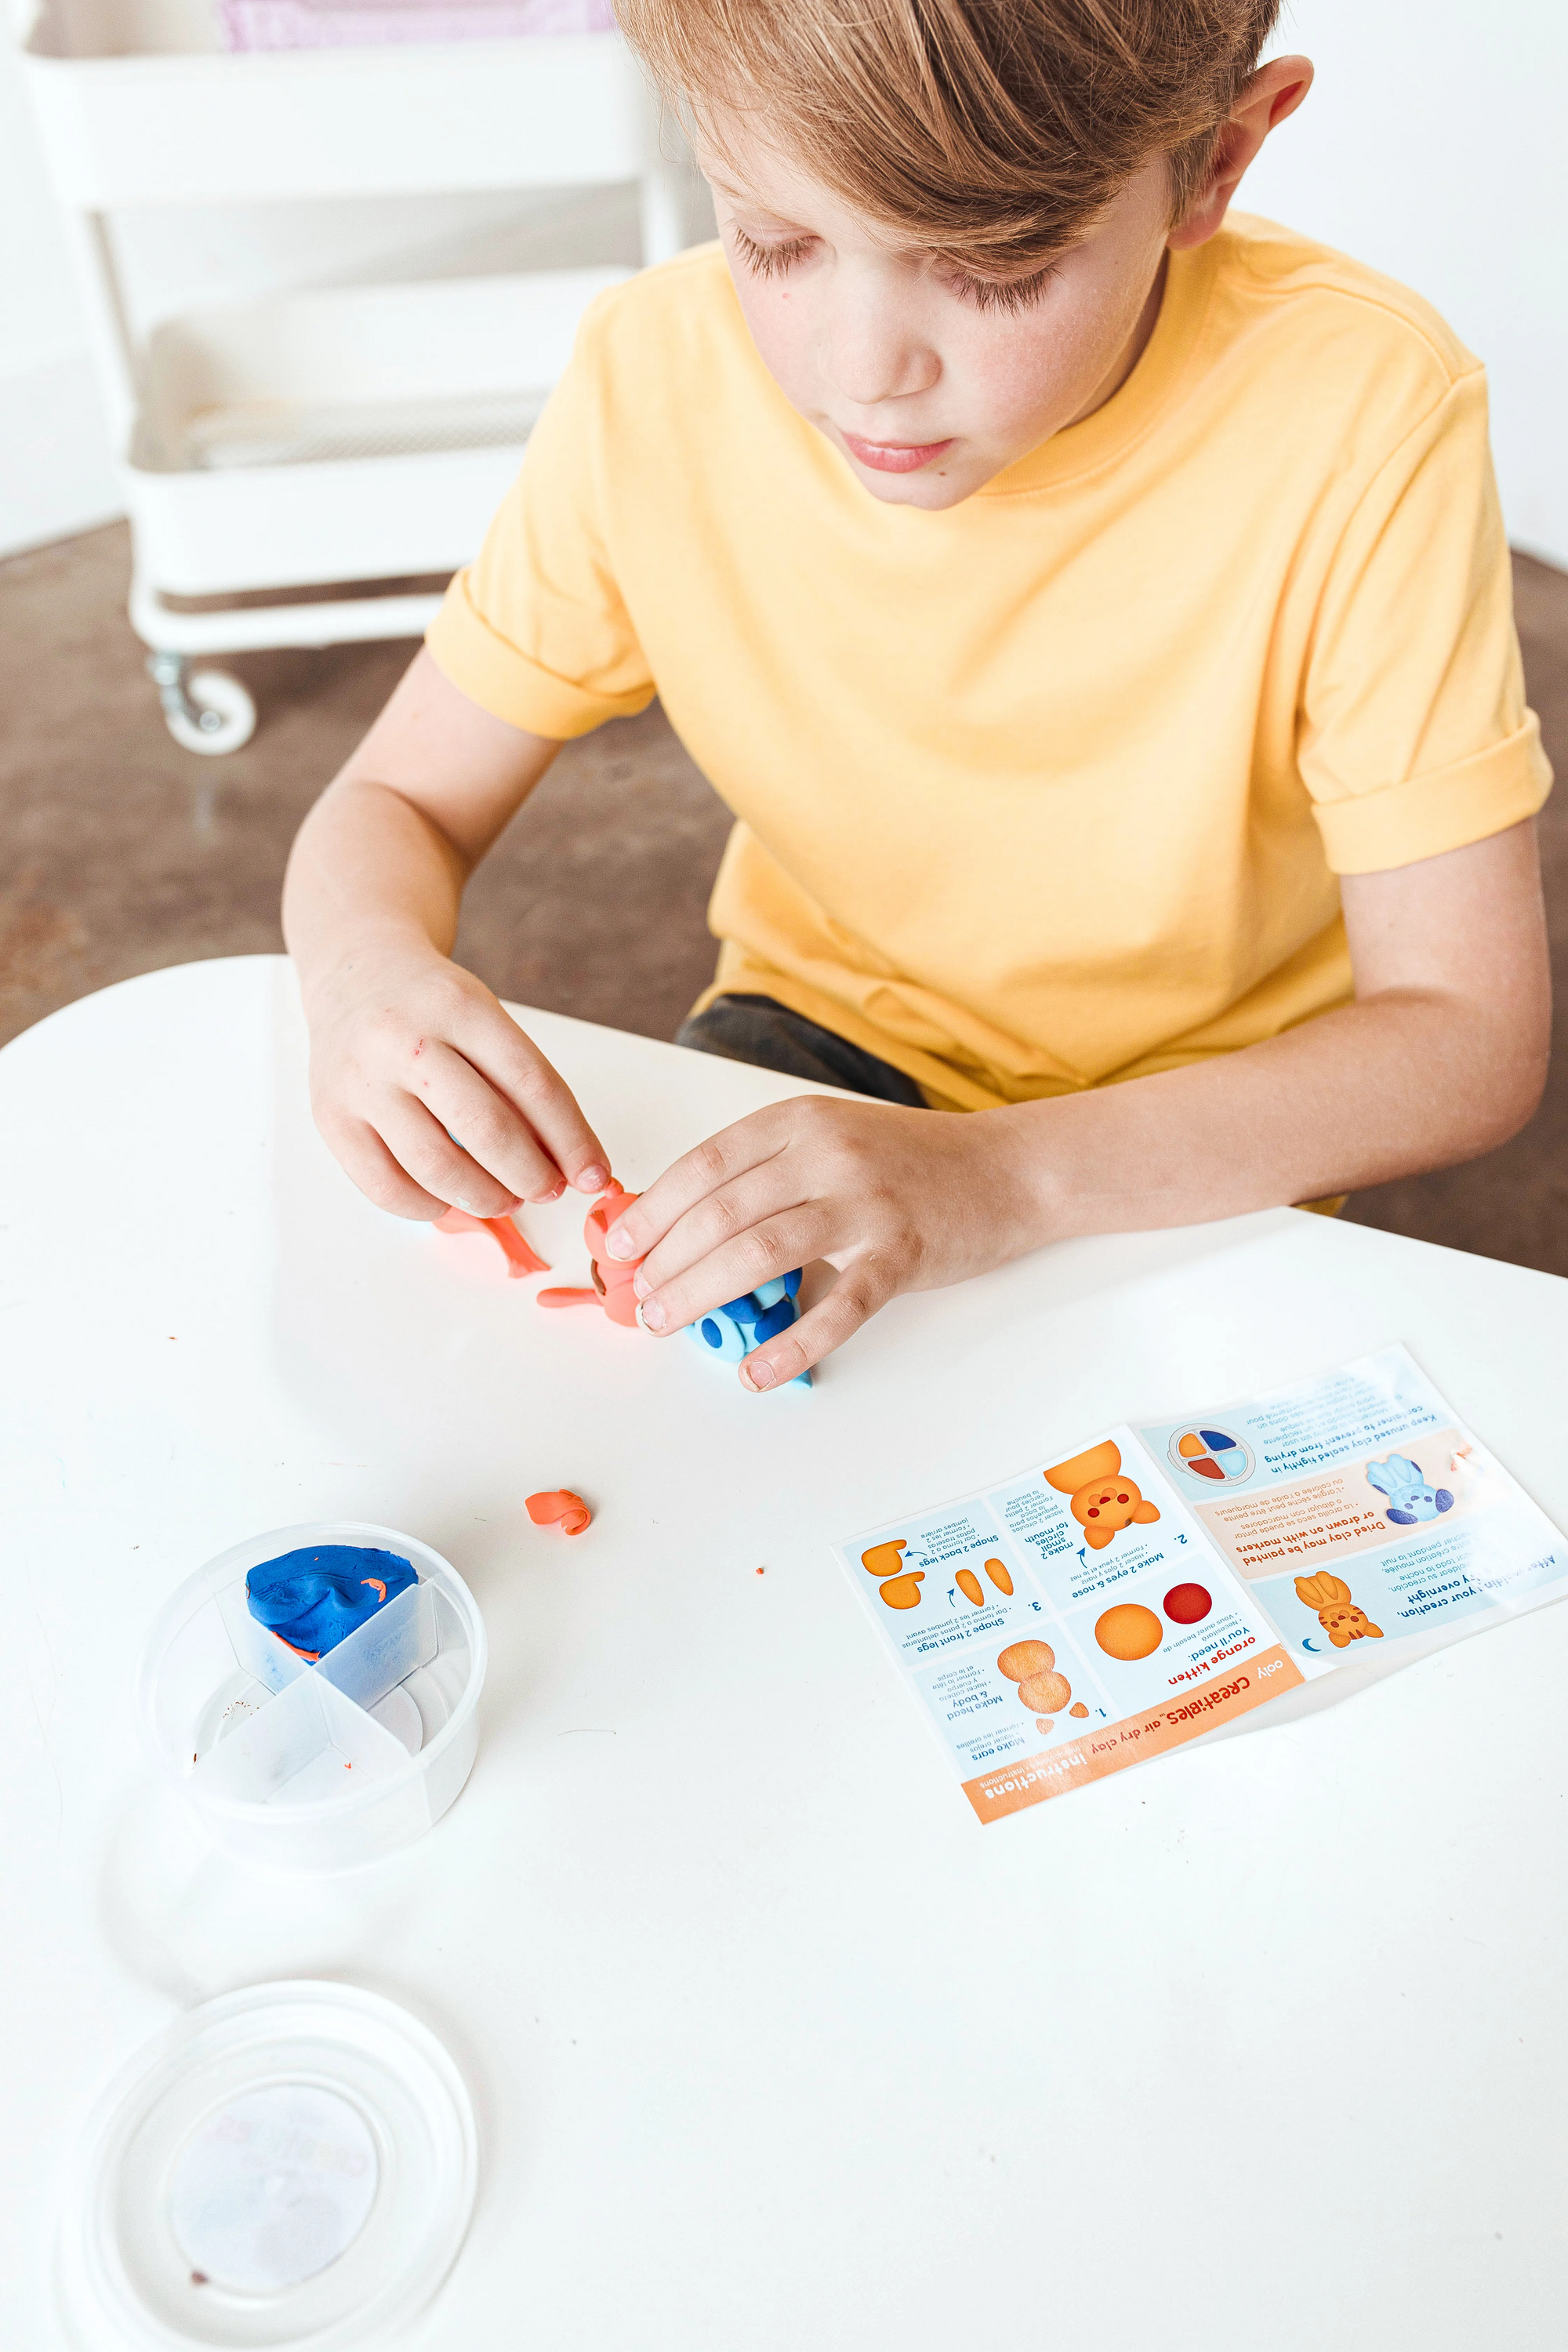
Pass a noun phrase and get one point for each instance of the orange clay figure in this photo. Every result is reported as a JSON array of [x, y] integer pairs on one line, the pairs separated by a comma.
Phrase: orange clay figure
[[520, 1258], [561, 1508], [611, 1276]]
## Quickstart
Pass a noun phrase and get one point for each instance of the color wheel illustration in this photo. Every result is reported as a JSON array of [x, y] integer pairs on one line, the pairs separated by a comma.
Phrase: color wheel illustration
[[1206, 1452]]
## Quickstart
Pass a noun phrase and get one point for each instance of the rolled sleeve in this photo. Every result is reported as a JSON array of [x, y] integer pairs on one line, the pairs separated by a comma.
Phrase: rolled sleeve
[[1370, 832], [1414, 736], [536, 629], [507, 682]]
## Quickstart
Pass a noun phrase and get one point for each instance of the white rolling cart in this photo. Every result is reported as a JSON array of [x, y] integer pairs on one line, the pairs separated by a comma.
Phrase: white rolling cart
[[353, 434]]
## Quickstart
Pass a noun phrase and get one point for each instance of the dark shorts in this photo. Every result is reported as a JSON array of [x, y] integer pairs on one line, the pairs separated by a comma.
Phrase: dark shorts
[[754, 1029]]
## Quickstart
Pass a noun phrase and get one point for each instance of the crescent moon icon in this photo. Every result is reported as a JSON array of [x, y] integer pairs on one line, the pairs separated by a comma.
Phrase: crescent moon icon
[[1308, 1643]]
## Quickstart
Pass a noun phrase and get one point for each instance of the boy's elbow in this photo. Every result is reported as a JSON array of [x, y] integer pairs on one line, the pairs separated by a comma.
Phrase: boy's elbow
[[1517, 1067], [1529, 1091]]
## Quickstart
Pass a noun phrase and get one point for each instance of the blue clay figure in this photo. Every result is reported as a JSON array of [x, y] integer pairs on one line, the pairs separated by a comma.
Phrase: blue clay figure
[[732, 1330], [1411, 1496], [314, 1599]]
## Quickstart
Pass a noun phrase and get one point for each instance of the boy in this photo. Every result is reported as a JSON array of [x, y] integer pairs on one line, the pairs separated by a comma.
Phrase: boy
[[1097, 614]]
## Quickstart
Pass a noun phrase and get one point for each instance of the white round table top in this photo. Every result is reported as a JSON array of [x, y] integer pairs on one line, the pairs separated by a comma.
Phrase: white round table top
[[772, 2046]]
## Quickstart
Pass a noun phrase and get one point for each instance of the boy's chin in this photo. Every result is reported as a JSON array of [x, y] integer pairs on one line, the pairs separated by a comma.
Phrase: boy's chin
[[932, 488]]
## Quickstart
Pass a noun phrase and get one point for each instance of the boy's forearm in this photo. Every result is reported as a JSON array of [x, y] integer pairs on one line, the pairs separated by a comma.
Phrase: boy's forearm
[[368, 870], [1387, 1088]]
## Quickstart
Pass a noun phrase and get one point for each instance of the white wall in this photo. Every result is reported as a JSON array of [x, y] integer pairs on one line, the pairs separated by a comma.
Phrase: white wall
[[1432, 145]]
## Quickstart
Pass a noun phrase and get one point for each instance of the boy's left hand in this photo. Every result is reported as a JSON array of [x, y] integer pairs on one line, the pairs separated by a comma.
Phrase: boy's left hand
[[895, 1199]]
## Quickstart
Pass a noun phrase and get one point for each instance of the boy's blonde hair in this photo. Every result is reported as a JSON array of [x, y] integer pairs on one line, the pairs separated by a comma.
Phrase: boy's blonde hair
[[992, 131]]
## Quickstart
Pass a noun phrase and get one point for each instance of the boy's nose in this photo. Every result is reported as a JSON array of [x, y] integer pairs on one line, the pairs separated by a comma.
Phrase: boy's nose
[[869, 354]]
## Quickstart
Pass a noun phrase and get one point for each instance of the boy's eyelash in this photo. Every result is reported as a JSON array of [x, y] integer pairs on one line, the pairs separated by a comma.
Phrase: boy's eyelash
[[985, 293], [768, 260], [1004, 293]]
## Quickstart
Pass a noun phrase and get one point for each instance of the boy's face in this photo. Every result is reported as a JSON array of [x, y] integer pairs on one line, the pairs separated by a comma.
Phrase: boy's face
[[931, 383]]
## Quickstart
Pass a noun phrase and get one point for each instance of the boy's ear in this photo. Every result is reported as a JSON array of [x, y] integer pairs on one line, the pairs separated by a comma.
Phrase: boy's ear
[[1274, 91]]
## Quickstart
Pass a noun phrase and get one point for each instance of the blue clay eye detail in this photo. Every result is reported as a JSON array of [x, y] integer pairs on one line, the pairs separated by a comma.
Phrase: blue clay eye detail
[[777, 1319]]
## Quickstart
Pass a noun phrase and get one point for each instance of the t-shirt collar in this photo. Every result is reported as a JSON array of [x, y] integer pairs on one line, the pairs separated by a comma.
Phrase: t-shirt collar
[[1131, 410]]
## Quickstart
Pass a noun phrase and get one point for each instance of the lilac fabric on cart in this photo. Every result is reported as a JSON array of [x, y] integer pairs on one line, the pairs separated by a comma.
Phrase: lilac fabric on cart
[[376, 23]]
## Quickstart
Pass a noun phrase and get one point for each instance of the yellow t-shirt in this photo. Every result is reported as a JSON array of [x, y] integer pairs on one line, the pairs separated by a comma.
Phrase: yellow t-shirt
[[1052, 788]]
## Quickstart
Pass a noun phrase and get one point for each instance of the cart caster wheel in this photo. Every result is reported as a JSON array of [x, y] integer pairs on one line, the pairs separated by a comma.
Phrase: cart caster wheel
[[206, 709]]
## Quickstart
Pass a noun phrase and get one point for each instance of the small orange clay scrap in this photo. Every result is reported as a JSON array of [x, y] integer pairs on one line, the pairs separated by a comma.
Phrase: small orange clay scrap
[[612, 1275], [520, 1258], [562, 1507]]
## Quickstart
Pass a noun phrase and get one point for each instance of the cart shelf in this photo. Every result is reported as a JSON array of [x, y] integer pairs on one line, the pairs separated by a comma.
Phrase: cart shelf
[[322, 439], [139, 107]]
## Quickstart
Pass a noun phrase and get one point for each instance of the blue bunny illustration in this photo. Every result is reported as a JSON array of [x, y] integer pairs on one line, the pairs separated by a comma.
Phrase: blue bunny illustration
[[1410, 1499]]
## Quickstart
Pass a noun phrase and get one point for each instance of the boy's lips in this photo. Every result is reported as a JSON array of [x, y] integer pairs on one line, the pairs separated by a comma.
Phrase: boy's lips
[[895, 456]]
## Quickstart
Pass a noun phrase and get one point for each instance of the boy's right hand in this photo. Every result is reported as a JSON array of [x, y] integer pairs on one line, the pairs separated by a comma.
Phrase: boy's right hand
[[407, 1052]]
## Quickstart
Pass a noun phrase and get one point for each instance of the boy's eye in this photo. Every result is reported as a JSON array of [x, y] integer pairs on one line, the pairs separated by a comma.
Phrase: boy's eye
[[1002, 293], [769, 260]]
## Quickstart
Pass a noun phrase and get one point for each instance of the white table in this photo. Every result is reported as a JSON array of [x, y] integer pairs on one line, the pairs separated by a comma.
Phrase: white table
[[775, 2048]]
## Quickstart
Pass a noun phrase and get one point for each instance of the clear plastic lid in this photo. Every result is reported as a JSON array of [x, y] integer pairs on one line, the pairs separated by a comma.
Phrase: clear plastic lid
[[293, 2165]]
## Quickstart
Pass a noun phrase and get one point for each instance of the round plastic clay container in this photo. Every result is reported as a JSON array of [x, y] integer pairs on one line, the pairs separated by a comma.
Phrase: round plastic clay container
[[313, 1767], [290, 2166]]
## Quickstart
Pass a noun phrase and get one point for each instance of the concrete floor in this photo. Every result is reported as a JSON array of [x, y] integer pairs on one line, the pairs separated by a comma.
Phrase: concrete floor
[[120, 853]]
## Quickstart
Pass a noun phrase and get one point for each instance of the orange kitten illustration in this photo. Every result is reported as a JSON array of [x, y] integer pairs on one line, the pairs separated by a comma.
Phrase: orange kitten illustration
[[1103, 1498], [1338, 1615]]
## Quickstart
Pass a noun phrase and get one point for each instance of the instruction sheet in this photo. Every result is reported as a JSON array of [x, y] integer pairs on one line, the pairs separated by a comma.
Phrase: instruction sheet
[[1104, 1607]]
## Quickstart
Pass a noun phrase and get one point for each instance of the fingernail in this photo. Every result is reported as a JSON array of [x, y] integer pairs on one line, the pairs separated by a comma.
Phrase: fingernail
[[640, 1284], [620, 1242], [542, 1199], [650, 1314], [592, 1180], [758, 1373]]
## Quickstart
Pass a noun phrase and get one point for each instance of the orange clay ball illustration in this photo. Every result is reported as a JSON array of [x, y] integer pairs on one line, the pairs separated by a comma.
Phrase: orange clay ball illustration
[[1044, 1723], [1079, 1709], [1025, 1658], [1128, 1632], [1045, 1694]]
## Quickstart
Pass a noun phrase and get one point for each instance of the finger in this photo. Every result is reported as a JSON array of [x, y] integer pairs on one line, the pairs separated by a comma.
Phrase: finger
[[367, 1160], [693, 1177], [482, 1124], [488, 1037], [424, 1150], [724, 1218], [856, 1294], [778, 1245]]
